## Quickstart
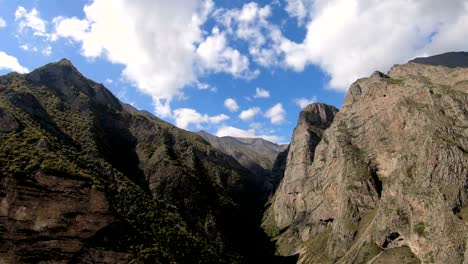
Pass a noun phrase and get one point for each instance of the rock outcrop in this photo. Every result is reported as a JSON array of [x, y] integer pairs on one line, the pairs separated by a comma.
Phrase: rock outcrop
[[389, 180], [313, 120]]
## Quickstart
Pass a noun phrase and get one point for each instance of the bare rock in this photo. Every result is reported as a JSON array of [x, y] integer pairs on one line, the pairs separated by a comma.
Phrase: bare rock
[[288, 203], [389, 180]]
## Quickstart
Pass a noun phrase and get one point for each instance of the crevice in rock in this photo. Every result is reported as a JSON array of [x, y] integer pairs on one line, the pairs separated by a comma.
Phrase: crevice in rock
[[327, 221], [390, 239], [375, 178]]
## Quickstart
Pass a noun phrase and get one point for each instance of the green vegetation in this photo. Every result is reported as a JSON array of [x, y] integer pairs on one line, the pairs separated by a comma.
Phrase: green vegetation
[[365, 222], [398, 255], [420, 229], [317, 248], [63, 137], [367, 252], [394, 81], [269, 224]]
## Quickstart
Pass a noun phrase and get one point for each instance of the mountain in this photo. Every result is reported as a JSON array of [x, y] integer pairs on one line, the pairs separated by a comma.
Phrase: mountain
[[87, 179], [388, 180], [256, 154], [450, 59]]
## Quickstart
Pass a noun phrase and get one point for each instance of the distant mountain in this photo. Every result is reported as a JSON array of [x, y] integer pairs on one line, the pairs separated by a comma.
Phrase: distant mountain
[[256, 154], [450, 59], [87, 179]]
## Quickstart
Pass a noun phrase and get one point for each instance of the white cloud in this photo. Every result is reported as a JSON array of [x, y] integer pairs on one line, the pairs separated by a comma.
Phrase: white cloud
[[31, 20], [350, 39], [216, 56], [299, 9], [231, 105], [303, 102], [205, 86], [261, 93], [160, 43], [250, 24], [2, 23], [73, 28], [184, 117], [11, 63], [276, 114], [249, 114], [250, 133], [47, 50]]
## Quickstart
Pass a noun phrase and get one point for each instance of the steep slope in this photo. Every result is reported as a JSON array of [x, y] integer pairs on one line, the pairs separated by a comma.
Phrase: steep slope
[[313, 120], [256, 154], [277, 173], [389, 179], [85, 178]]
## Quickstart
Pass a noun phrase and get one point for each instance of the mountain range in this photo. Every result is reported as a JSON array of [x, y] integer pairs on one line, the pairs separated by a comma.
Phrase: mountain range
[[86, 178]]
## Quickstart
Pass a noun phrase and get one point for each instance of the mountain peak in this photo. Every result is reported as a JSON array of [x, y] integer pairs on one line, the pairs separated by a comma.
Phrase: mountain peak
[[65, 79], [63, 69], [65, 62], [318, 113]]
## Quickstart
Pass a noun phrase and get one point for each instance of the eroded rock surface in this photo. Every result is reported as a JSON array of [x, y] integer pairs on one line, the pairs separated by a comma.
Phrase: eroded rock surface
[[389, 179]]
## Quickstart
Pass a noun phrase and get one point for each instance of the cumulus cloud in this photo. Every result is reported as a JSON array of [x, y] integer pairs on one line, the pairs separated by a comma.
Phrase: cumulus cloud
[[160, 43], [303, 102], [250, 24], [249, 114], [31, 20], [350, 39], [276, 114], [73, 28], [184, 117], [250, 133], [216, 56], [261, 93], [231, 105], [2, 23], [8, 62]]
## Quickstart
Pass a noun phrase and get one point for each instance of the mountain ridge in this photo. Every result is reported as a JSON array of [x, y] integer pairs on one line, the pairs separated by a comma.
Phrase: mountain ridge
[[86, 178], [117, 184]]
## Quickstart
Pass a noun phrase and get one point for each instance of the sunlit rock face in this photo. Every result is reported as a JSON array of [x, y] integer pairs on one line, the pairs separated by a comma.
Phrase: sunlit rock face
[[388, 181]]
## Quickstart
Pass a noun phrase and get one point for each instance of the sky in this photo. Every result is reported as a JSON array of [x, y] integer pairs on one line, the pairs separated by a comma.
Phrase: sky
[[230, 67]]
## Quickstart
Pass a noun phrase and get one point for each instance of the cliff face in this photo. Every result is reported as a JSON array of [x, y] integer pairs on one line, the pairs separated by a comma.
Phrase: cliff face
[[86, 178], [389, 179], [313, 120]]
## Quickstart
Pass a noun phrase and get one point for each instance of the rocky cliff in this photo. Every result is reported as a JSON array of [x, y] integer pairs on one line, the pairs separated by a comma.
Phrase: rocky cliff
[[85, 178], [389, 179], [313, 120]]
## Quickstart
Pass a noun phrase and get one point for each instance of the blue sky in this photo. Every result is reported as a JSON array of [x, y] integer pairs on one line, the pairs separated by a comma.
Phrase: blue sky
[[240, 68]]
